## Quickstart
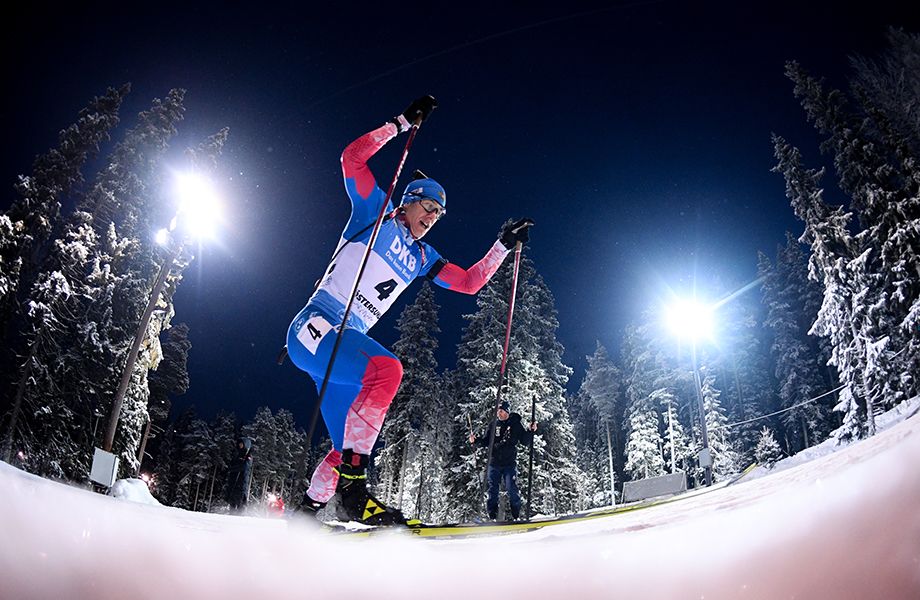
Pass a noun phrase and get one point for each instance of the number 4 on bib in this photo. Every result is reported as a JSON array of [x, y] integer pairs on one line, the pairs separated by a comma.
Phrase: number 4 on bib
[[385, 288], [312, 332]]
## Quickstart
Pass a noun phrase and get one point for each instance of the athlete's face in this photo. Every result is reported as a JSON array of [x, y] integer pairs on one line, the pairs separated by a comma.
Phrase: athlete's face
[[421, 216]]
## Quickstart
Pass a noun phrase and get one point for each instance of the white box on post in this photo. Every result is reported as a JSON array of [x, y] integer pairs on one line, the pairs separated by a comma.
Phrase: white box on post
[[105, 468]]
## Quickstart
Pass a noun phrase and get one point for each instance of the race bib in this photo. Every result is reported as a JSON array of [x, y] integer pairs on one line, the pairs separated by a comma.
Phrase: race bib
[[313, 332]]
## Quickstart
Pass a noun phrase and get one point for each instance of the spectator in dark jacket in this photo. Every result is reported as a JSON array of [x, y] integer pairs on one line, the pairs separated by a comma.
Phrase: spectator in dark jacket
[[503, 468], [238, 474]]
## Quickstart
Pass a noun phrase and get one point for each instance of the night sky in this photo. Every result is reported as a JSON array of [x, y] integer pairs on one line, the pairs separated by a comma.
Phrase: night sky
[[637, 135]]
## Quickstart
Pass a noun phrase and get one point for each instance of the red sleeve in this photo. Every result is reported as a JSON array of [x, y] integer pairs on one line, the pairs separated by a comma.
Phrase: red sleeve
[[357, 153], [470, 281]]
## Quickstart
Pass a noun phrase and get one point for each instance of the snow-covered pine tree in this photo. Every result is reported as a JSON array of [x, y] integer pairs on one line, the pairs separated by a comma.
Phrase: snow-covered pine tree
[[595, 485], [170, 378], [414, 407], [288, 441], [172, 473], [198, 450], [55, 433], [35, 216], [725, 458], [135, 409], [105, 273], [797, 371], [9, 267], [886, 91], [473, 387], [134, 181], [749, 389], [597, 428], [556, 475], [224, 431], [534, 372], [275, 440], [26, 235], [767, 451], [873, 139], [827, 233], [264, 431], [677, 450], [641, 368], [434, 454]]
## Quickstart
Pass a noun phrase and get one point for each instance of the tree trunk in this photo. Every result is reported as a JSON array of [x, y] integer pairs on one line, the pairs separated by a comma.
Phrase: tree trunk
[[613, 498], [20, 392], [671, 438], [197, 488], [421, 475], [402, 471], [211, 490], [143, 448]]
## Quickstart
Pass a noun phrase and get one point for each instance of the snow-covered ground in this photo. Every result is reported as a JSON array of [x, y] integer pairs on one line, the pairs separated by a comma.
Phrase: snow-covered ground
[[844, 525]]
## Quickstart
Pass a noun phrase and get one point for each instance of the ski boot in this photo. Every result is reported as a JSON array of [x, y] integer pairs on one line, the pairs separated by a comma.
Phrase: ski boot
[[310, 507], [355, 502]]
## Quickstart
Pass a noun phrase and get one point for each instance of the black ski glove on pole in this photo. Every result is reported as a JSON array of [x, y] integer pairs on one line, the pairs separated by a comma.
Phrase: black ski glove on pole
[[420, 108], [512, 233]]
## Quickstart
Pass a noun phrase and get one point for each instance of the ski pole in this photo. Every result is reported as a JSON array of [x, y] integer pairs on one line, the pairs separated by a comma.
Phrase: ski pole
[[354, 286], [501, 372], [533, 419]]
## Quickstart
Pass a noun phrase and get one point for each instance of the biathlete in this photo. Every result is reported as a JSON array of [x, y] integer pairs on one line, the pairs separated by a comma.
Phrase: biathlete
[[366, 376]]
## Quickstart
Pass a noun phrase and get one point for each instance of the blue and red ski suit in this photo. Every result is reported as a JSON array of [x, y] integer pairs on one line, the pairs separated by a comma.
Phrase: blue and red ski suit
[[366, 375]]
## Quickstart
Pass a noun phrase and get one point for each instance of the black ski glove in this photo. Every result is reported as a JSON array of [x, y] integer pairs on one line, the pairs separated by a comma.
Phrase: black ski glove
[[512, 233], [420, 107]]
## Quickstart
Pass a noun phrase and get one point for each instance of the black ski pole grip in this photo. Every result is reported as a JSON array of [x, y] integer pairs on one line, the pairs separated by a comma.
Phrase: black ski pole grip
[[526, 223]]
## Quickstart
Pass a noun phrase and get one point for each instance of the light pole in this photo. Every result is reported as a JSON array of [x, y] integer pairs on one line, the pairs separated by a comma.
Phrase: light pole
[[690, 319], [197, 208]]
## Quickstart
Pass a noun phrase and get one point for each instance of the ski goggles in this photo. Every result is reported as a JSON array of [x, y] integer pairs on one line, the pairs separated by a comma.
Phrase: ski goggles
[[430, 206]]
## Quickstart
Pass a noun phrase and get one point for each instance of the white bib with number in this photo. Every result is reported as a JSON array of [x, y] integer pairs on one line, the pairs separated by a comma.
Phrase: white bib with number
[[313, 331], [390, 269]]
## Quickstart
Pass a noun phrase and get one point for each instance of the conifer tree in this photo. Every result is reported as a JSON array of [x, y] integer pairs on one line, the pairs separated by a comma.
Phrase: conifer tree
[[832, 250], [872, 136], [555, 450], [676, 444], [104, 267], [800, 380], [535, 373], [414, 408], [725, 458], [172, 476], [597, 426], [35, 215], [224, 432], [749, 390], [641, 365], [768, 450]]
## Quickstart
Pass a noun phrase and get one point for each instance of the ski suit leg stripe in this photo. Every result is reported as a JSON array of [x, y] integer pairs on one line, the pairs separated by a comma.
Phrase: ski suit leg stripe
[[365, 417], [325, 477]]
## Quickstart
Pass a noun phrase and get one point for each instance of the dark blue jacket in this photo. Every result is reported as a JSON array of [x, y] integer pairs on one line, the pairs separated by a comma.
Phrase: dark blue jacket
[[239, 472], [510, 433]]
